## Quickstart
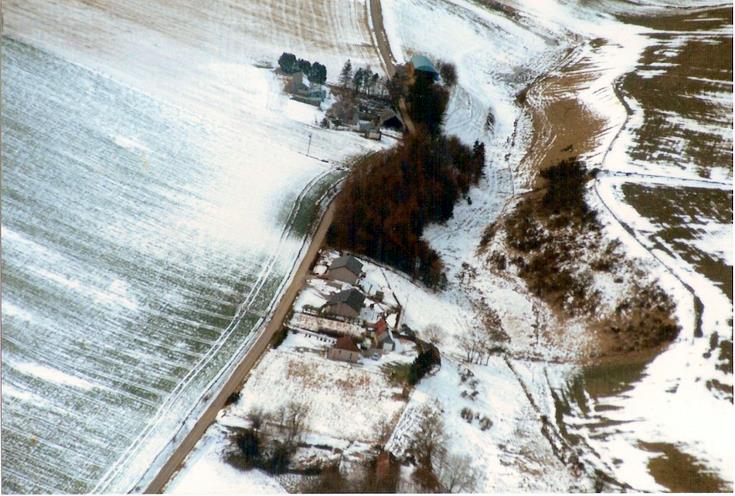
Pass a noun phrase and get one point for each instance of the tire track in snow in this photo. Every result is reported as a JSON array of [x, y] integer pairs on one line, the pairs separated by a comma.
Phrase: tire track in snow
[[243, 309]]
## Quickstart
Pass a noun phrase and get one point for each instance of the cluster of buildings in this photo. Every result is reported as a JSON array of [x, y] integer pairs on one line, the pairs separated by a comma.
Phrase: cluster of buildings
[[345, 315], [304, 91]]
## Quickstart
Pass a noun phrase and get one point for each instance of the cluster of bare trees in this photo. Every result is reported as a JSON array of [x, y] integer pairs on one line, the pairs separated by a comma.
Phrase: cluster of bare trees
[[482, 341], [437, 469], [272, 438]]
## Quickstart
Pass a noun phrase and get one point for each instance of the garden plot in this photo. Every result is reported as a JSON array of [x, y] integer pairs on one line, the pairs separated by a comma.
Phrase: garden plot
[[346, 400], [348, 404]]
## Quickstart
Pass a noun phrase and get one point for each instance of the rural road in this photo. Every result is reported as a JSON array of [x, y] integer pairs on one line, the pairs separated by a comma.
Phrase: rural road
[[174, 462], [386, 55], [233, 384], [376, 14]]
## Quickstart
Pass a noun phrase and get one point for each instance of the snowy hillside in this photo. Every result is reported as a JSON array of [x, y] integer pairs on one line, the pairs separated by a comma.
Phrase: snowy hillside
[[157, 194]]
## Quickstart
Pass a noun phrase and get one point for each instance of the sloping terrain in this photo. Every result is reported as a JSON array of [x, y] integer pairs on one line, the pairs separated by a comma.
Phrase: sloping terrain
[[156, 195]]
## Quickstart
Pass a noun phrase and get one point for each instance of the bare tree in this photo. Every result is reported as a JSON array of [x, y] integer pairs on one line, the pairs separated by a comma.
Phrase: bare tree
[[295, 421], [429, 438], [383, 431], [344, 106], [471, 343], [433, 334], [455, 473], [481, 341]]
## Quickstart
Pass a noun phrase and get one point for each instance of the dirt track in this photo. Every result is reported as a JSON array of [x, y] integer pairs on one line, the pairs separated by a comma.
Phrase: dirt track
[[238, 376], [386, 55], [383, 47]]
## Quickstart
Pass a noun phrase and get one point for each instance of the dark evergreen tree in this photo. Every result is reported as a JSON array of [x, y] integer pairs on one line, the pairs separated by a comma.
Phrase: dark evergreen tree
[[304, 66], [318, 73], [358, 79], [345, 77], [287, 63]]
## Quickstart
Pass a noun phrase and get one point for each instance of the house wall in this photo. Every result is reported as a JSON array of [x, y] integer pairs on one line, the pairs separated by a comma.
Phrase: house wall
[[343, 355], [342, 274]]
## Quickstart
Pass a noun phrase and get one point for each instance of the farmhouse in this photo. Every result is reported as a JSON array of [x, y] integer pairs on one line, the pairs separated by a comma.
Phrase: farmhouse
[[344, 350], [311, 93], [346, 303], [422, 65], [346, 269]]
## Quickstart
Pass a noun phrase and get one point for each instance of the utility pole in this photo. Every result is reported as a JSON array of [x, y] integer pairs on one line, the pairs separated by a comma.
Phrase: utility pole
[[308, 148]]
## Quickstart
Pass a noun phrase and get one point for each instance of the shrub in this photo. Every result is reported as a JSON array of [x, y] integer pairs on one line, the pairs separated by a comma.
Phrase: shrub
[[232, 398], [485, 423], [279, 337], [318, 73], [565, 190], [423, 364], [279, 458], [467, 414], [249, 443], [448, 73]]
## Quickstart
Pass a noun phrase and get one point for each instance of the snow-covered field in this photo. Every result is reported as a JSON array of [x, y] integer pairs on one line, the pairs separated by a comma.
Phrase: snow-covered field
[[499, 50], [156, 195]]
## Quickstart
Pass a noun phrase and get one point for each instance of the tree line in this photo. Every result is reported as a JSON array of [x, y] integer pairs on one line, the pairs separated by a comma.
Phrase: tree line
[[361, 80]]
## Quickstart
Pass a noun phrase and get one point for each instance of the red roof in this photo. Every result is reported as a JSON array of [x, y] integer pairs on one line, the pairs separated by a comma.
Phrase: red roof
[[345, 343], [381, 325]]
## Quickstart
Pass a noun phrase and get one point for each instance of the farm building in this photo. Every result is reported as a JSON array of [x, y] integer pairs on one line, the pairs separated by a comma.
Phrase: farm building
[[388, 118], [346, 269], [346, 303], [383, 341], [344, 350], [422, 65], [315, 323], [311, 93]]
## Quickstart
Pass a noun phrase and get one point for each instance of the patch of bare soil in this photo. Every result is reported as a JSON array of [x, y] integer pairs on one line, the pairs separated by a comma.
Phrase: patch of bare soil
[[563, 127], [667, 470], [552, 240]]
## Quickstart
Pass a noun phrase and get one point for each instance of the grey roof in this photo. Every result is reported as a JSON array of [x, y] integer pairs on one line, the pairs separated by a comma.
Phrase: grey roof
[[421, 63], [348, 261], [351, 297]]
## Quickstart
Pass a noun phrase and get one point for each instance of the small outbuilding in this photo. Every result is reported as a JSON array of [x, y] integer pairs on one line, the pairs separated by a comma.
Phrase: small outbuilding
[[346, 269], [383, 341], [346, 303], [344, 350]]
